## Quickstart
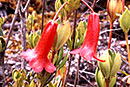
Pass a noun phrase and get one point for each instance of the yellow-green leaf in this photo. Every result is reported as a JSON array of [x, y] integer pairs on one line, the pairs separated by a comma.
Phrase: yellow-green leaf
[[125, 20], [63, 34], [116, 65], [105, 66]]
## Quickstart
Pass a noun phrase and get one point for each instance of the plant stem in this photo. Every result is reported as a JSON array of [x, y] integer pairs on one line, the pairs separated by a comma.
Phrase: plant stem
[[88, 6], [107, 83], [43, 8], [73, 38], [93, 5], [110, 34], [59, 11], [13, 22], [127, 45], [77, 73], [23, 37]]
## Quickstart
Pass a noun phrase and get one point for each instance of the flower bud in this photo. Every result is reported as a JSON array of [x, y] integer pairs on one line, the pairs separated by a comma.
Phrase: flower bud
[[114, 7]]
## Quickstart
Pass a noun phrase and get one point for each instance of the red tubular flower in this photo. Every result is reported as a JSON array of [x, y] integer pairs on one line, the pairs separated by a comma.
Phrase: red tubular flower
[[37, 57], [89, 47]]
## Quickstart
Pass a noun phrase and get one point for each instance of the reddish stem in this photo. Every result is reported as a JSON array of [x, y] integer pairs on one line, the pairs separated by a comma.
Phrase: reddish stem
[[88, 6], [107, 83], [110, 34], [123, 2], [59, 11]]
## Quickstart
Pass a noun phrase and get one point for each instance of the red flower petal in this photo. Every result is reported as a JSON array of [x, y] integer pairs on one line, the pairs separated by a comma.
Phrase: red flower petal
[[89, 47], [49, 67], [37, 57]]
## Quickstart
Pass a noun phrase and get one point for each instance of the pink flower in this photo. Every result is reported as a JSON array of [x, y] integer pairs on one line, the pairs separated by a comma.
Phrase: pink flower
[[37, 57], [89, 47]]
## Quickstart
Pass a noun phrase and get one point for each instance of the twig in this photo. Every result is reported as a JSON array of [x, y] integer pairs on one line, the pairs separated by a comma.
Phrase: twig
[[93, 5], [26, 6], [8, 25], [86, 79], [23, 32], [86, 72], [102, 32], [13, 22], [77, 72], [75, 19], [43, 8]]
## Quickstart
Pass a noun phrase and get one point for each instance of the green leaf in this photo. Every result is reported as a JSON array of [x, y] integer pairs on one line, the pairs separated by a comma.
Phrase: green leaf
[[63, 34], [36, 40], [125, 20], [69, 43], [105, 66], [1, 32], [99, 78], [3, 42], [81, 28], [80, 41], [55, 58], [113, 81], [63, 62], [60, 56], [15, 75], [116, 65], [32, 84], [1, 47]]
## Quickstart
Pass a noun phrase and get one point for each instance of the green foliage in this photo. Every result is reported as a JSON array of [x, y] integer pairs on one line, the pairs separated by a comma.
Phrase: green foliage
[[79, 35], [100, 78], [33, 38], [125, 21], [68, 9], [2, 43], [108, 69]]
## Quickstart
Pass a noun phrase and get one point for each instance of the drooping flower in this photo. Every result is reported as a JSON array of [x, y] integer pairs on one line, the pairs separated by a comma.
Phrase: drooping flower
[[37, 57], [89, 47]]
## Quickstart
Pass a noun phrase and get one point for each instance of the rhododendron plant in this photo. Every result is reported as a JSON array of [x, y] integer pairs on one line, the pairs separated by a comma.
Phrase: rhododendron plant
[[37, 57], [89, 47]]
